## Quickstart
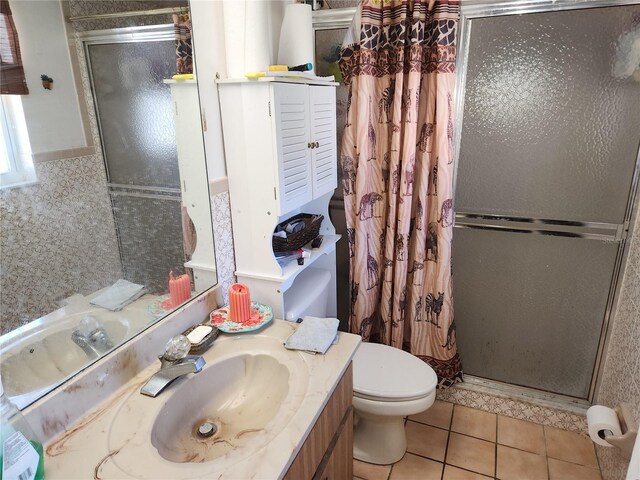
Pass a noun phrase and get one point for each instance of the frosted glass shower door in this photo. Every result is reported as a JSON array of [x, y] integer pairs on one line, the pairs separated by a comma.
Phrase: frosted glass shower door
[[135, 115], [135, 111], [549, 143]]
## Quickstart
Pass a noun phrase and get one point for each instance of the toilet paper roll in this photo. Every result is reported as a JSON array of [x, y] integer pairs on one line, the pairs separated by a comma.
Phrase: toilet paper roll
[[296, 36], [602, 419]]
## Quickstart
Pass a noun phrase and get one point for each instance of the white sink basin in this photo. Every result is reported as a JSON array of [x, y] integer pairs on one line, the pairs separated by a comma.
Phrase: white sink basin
[[239, 396], [250, 389]]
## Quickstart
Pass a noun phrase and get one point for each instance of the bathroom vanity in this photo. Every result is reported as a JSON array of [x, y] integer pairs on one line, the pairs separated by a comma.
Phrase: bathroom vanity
[[279, 414]]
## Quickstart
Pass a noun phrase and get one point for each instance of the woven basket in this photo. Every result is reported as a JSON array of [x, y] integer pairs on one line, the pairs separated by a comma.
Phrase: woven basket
[[297, 240]]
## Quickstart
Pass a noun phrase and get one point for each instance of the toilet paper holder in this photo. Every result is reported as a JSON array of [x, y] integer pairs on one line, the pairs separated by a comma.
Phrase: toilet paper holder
[[626, 441]]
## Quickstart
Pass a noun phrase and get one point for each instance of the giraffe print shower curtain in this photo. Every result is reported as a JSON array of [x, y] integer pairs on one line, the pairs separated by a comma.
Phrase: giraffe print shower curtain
[[397, 172]]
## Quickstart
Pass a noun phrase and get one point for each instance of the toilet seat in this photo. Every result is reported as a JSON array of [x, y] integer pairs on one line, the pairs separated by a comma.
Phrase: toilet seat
[[387, 374]]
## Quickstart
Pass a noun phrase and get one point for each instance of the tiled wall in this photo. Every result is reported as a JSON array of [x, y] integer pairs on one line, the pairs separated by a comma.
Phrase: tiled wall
[[621, 377], [60, 232], [514, 408], [223, 237], [81, 8]]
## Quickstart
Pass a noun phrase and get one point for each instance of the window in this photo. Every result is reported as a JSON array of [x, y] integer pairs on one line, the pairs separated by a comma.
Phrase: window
[[16, 164]]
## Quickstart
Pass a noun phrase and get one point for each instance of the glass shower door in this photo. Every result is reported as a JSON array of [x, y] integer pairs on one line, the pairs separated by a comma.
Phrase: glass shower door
[[135, 116], [549, 145]]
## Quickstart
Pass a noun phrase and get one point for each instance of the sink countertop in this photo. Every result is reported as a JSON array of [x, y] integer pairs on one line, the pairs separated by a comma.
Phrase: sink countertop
[[89, 449]]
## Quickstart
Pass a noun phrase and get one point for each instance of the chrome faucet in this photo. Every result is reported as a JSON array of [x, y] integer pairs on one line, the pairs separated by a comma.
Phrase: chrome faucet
[[91, 337], [174, 363]]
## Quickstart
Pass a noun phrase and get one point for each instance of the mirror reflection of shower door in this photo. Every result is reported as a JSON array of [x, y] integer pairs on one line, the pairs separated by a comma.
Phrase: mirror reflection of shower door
[[135, 116], [545, 178]]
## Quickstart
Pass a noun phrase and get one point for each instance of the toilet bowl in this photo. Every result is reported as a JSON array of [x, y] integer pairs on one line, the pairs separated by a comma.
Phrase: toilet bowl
[[388, 385]]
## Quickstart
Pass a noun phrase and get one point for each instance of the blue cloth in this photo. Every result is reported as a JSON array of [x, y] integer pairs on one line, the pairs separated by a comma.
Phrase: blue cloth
[[314, 335]]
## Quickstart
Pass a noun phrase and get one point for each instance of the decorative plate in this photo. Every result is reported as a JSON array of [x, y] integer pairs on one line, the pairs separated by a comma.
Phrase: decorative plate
[[160, 306], [260, 316]]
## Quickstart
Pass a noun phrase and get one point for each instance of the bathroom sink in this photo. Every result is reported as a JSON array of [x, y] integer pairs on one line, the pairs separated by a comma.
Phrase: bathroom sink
[[45, 354], [249, 390], [264, 400], [237, 396]]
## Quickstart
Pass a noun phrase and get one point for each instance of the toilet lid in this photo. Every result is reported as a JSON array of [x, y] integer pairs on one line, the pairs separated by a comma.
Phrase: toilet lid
[[389, 373]]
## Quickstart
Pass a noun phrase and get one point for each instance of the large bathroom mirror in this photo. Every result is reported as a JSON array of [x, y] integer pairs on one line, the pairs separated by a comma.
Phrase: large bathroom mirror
[[105, 212]]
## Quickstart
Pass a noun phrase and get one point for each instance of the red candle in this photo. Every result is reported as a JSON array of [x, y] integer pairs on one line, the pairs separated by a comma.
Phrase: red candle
[[239, 303], [179, 289]]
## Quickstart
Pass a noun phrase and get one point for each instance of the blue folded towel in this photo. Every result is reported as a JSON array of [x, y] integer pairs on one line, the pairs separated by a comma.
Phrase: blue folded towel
[[314, 335]]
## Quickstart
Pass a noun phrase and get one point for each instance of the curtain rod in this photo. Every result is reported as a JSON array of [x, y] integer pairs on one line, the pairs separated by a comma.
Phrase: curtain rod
[[137, 13]]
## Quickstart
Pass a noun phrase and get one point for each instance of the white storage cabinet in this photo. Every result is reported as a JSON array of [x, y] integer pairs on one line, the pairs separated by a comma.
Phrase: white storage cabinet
[[281, 154]]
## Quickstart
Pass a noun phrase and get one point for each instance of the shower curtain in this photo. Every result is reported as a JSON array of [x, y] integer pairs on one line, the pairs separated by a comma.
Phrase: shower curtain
[[184, 52], [398, 62]]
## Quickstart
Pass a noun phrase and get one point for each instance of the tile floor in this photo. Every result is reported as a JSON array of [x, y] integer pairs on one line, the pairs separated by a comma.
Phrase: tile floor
[[452, 442]]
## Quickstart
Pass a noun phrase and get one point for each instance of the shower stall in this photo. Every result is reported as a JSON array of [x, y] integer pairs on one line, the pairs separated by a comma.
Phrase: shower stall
[[547, 163]]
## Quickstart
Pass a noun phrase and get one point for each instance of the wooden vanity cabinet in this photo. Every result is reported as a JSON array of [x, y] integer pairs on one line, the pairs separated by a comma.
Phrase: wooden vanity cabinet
[[327, 453]]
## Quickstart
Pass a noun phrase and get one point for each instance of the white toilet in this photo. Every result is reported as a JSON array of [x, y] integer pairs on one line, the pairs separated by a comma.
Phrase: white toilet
[[388, 385]]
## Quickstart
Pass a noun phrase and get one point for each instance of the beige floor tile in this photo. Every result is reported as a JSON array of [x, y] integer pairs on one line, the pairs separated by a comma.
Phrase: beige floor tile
[[369, 471], [426, 441], [570, 447], [439, 415], [455, 473], [520, 434], [412, 467], [518, 465], [474, 422], [559, 470], [471, 453]]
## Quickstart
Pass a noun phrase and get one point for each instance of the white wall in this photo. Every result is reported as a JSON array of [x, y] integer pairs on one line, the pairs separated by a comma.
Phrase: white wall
[[210, 58], [208, 43], [53, 116]]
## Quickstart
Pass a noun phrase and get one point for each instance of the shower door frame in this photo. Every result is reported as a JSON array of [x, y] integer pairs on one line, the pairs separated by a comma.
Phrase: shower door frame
[[473, 9]]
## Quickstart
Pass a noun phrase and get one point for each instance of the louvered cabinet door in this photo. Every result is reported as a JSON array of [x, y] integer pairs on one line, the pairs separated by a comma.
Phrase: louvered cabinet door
[[291, 111], [323, 138]]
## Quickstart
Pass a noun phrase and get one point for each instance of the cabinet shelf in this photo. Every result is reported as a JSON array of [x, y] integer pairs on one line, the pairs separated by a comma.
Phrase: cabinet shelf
[[292, 269]]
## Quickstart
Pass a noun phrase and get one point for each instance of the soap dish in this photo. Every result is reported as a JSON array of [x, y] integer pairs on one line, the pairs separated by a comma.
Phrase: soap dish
[[206, 342]]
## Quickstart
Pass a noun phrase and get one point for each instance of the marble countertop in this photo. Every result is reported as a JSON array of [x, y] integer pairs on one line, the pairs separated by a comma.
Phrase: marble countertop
[[113, 441]]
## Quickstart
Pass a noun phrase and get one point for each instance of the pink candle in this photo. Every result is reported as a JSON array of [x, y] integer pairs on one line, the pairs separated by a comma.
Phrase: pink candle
[[179, 289], [239, 303]]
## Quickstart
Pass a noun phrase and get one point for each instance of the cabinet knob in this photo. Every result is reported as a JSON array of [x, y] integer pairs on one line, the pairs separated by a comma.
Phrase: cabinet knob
[[317, 145], [309, 145]]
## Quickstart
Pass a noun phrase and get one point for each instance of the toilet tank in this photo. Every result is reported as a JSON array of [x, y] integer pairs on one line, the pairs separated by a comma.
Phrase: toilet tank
[[308, 295]]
